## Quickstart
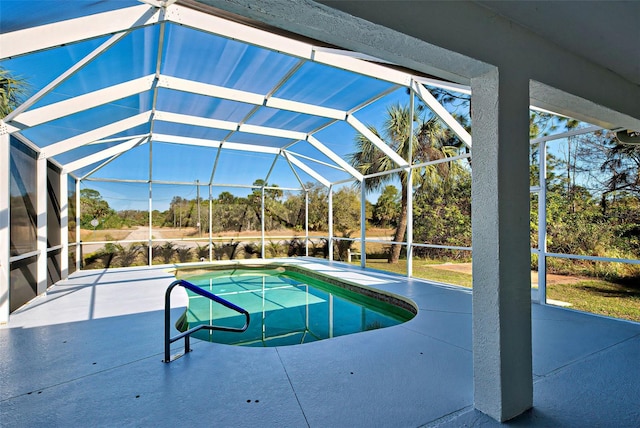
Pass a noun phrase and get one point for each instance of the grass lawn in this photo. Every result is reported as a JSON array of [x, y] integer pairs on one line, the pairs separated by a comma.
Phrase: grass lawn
[[421, 269], [599, 297], [595, 296]]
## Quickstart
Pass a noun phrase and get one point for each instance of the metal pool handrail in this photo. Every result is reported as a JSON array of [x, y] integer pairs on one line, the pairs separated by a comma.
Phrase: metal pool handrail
[[186, 334]]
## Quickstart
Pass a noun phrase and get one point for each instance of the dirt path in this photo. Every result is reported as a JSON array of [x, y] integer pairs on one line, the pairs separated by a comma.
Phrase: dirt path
[[140, 233], [551, 278]]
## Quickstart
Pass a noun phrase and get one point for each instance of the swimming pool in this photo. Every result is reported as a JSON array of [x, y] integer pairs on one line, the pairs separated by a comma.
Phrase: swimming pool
[[288, 306]]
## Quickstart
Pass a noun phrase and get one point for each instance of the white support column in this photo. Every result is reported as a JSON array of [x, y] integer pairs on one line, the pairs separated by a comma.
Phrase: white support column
[[262, 222], [150, 239], [363, 225], [503, 385], [64, 225], [150, 223], [210, 222], [330, 223], [542, 225], [5, 193], [410, 189], [78, 237], [306, 223], [41, 224]]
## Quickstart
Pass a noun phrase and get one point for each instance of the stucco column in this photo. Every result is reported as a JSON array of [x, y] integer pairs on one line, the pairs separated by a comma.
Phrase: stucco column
[[503, 386], [5, 272]]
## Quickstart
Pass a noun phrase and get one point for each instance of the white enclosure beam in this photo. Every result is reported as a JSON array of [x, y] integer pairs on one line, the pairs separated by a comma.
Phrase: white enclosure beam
[[295, 173], [164, 116], [273, 165], [442, 113], [229, 126], [103, 154], [306, 223], [366, 132], [150, 212], [184, 85], [409, 188], [502, 350], [297, 162], [5, 197], [366, 68], [149, 230], [154, 100], [78, 235], [272, 132], [116, 140], [334, 157], [12, 129], [190, 141], [542, 223], [176, 139], [251, 148], [220, 26], [330, 223], [96, 134], [74, 30], [448, 86], [352, 54], [64, 225], [363, 225], [262, 224], [83, 102], [265, 39], [570, 133], [298, 107], [215, 164], [316, 161], [210, 223], [41, 224], [99, 167], [159, 3]]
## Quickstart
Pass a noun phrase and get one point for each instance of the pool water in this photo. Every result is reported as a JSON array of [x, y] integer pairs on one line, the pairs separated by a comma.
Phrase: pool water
[[287, 308]]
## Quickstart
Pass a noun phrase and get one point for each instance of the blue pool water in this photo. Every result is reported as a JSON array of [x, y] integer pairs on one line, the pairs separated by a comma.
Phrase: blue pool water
[[287, 308]]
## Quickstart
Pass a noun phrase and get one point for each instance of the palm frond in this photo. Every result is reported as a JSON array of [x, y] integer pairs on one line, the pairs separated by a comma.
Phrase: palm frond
[[13, 89]]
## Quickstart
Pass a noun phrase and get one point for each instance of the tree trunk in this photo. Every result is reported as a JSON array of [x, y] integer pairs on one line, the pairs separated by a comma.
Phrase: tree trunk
[[394, 254]]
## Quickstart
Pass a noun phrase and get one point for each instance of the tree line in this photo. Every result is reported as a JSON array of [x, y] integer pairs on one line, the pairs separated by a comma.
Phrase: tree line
[[593, 194]]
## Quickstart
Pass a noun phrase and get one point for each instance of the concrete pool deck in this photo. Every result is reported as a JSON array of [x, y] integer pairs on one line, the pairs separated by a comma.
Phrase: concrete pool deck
[[88, 353]]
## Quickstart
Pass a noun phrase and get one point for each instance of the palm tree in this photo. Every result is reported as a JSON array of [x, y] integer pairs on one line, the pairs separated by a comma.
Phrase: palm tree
[[431, 141], [12, 90]]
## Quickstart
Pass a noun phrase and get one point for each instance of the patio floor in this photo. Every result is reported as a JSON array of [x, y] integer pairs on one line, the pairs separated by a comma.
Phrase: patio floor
[[89, 352]]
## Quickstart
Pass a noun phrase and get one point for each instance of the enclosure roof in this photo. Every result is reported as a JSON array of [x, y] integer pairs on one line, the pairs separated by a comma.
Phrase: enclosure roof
[[150, 90]]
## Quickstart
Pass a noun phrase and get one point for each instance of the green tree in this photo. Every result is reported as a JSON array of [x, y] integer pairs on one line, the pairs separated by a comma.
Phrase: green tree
[[346, 217], [387, 209], [346, 211], [318, 207], [622, 168], [231, 213], [430, 141], [276, 214], [445, 218], [226, 197], [92, 206]]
